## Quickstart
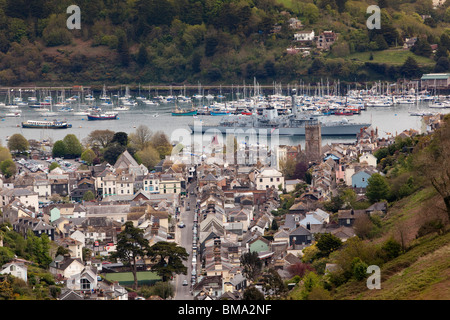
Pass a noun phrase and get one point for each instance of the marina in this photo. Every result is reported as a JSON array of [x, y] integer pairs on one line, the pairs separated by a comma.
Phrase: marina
[[341, 115]]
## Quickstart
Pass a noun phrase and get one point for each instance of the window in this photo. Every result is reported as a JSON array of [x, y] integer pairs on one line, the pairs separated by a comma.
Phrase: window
[[260, 180], [85, 284], [271, 179]]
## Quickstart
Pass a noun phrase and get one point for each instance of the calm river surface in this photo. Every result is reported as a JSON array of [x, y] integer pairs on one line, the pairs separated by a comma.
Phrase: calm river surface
[[388, 120]]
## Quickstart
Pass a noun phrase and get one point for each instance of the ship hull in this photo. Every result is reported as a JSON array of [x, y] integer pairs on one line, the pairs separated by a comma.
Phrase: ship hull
[[43, 126], [190, 113], [339, 130], [91, 117]]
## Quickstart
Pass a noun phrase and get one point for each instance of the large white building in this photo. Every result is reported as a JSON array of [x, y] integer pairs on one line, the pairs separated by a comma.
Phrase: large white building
[[269, 177], [304, 36], [27, 197]]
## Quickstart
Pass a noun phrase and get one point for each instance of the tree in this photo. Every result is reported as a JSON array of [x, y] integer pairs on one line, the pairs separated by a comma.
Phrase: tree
[[381, 42], [160, 142], [73, 146], [432, 163], [149, 157], [88, 196], [274, 225], [299, 269], [327, 243], [142, 57], [88, 156], [131, 245], [168, 258], [59, 149], [112, 152], [121, 138], [252, 293], [410, 68], [442, 65], [100, 138], [18, 143], [39, 248], [363, 226], [422, 48], [123, 49], [141, 138], [8, 168], [311, 13], [287, 167], [252, 265], [300, 170], [377, 188], [4, 154], [274, 284], [53, 165]]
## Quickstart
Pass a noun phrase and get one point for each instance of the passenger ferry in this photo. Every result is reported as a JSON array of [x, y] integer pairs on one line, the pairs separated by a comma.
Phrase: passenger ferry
[[46, 124]]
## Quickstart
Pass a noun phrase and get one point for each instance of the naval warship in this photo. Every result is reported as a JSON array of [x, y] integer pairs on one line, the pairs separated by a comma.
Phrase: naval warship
[[284, 125]]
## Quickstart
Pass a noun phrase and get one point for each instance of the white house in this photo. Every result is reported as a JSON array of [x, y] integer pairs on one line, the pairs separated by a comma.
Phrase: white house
[[268, 178], [18, 270], [65, 266], [304, 36], [43, 188], [85, 280], [369, 158], [79, 236], [28, 197]]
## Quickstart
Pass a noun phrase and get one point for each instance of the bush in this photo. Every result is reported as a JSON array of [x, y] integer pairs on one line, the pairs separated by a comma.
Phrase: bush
[[431, 226], [392, 248], [359, 269]]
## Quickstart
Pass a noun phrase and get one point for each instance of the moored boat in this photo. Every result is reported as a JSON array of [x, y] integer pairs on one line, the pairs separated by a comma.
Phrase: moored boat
[[178, 112], [102, 116], [46, 124]]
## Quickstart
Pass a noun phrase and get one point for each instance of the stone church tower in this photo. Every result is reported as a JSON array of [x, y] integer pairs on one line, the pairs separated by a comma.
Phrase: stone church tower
[[313, 145]]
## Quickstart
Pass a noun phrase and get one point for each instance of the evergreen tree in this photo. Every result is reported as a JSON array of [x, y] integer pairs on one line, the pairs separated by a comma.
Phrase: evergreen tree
[[442, 65], [410, 68], [377, 188], [123, 49], [131, 245], [142, 57]]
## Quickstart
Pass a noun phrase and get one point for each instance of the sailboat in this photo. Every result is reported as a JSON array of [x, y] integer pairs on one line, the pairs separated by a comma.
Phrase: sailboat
[[9, 105]]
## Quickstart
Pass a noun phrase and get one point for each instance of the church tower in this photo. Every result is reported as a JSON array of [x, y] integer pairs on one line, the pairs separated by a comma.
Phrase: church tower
[[313, 145]]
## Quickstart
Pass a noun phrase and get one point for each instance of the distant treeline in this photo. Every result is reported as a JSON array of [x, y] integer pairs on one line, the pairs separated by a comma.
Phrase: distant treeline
[[211, 41]]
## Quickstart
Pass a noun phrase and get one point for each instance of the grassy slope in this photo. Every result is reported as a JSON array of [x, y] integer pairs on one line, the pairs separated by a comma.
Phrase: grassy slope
[[423, 272], [390, 57]]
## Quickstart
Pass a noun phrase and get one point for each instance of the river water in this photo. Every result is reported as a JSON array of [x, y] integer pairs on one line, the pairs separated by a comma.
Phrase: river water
[[388, 120]]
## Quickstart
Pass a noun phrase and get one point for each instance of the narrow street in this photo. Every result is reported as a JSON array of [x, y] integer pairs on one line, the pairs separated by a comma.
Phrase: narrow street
[[183, 237]]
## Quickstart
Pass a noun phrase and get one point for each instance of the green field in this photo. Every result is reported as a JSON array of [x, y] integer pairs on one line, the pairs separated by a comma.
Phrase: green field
[[126, 278], [390, 57]]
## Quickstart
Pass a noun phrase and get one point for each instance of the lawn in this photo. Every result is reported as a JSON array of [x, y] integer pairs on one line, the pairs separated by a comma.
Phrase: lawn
[[390, 57], [126, 278]]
